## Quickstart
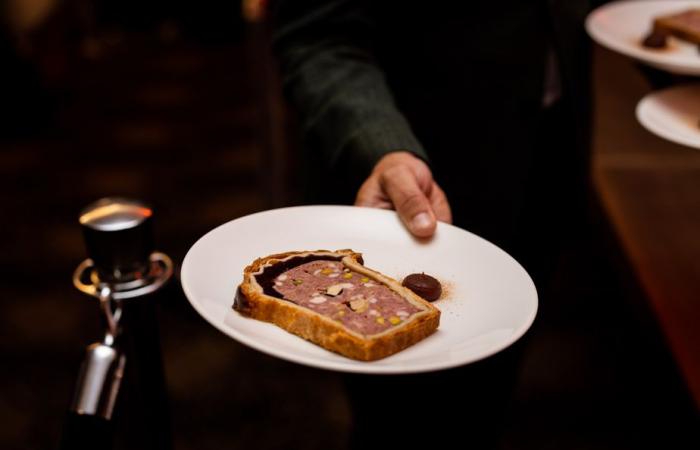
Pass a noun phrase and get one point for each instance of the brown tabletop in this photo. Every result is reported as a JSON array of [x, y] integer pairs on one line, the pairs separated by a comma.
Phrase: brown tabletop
[[650, 189]]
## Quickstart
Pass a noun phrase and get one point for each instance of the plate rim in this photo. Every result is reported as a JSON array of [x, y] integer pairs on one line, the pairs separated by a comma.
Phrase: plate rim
[[352, 366]]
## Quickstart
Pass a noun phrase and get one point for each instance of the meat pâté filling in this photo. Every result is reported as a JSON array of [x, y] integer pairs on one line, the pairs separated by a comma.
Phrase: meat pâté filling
[[327, 287]]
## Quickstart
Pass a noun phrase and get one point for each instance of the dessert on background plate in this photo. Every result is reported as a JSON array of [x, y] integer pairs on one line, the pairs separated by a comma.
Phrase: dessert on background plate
[[683, 25]]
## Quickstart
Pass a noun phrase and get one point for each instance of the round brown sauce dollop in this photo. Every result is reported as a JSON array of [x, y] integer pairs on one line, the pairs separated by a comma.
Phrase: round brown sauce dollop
[[655, 39], [424, 285]]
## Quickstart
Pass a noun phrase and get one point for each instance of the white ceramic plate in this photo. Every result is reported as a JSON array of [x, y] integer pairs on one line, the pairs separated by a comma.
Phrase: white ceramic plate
[[673, 114], [621, 26], [491, 303]]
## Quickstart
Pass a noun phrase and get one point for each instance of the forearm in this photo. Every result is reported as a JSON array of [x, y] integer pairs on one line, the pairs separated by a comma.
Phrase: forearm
[[330, 75]]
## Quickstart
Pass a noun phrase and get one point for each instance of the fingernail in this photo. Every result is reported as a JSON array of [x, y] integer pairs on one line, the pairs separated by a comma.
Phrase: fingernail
[[420, 221]]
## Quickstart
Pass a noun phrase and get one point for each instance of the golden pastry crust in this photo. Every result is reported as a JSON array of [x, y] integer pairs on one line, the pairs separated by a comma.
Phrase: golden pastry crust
[[251, 301]]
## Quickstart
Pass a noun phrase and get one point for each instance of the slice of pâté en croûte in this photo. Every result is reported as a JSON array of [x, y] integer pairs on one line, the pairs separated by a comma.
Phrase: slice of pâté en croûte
[[331, 299]]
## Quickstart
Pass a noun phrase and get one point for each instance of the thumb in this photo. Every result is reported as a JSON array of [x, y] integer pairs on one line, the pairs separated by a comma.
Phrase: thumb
[[411, 203]]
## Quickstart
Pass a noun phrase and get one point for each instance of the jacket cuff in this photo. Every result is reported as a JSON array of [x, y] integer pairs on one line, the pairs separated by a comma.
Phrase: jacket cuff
[[374, 140]]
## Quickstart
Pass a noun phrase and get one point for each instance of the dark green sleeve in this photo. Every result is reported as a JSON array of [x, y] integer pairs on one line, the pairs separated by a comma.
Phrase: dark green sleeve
[[331, 77]]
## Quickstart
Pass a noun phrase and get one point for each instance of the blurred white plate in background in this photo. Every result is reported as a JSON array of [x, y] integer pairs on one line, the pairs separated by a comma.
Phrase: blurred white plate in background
[[673, 114], [622, 26]]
